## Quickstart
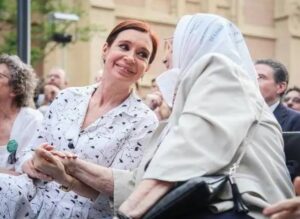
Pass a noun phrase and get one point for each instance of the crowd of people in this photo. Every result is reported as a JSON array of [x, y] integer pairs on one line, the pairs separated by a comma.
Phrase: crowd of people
[[98, 150]]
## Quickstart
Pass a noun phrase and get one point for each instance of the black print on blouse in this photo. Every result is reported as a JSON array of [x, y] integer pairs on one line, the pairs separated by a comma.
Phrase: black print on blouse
[[70, 144]]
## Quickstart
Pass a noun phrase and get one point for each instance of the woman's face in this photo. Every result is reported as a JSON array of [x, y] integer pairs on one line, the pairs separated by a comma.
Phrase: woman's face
[[292, 100], [5, 89], [127, 59]]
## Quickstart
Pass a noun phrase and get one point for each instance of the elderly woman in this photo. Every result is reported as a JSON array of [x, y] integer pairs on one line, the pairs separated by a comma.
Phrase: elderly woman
[[218, 111], [104, 124], [217, 105], [17, 120]]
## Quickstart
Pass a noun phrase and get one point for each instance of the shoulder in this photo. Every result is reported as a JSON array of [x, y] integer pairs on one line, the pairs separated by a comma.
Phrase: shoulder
[[75, 92], [30, 114], [138, 109]]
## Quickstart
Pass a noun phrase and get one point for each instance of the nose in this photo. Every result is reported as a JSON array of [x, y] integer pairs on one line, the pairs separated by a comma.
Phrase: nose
[[129, 58], [290, 103]]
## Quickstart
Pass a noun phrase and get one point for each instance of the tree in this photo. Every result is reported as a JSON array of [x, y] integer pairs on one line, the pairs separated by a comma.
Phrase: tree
[[42, 29]]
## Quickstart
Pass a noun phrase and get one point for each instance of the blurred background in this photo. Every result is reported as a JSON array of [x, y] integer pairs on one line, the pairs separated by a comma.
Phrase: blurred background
[[70, 33]]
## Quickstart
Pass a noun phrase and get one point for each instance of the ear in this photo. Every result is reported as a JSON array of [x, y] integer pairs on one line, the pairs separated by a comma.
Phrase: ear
[[105, 51], [281, 87]]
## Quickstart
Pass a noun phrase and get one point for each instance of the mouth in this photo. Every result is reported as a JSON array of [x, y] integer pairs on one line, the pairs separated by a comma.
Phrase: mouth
[[125, 69]]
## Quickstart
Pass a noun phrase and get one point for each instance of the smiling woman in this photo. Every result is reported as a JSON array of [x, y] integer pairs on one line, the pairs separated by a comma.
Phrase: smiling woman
[[103, 124]]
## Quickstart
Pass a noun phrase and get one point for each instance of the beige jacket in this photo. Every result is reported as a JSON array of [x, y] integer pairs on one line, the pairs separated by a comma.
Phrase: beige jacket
[[215, 107]]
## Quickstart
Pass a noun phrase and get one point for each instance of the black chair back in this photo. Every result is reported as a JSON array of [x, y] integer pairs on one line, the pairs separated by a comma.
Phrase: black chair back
[[292, 152]]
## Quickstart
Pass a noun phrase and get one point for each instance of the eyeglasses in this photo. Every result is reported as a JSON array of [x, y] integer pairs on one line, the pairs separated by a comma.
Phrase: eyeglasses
[[294, 100], [168, 43], [4, 76]]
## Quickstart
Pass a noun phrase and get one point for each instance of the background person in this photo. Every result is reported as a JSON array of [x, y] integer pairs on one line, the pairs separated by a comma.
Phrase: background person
[[273, 81], [57, 77], [291, 99], [50, 92], [104, 124], [18, 121]]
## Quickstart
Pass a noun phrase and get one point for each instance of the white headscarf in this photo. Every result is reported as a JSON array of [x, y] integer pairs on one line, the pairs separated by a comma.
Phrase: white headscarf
[[200, 34]]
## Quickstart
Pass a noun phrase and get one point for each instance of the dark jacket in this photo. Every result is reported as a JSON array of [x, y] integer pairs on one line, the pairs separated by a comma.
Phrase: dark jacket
[[288, 119]]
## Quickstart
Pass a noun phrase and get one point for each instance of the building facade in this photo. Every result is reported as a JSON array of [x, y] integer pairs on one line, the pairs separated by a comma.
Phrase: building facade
[[271, 29]]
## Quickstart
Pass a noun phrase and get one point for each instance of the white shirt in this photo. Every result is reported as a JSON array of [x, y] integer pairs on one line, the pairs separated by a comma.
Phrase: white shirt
[[25, 125], [274, 106], [116, 139]]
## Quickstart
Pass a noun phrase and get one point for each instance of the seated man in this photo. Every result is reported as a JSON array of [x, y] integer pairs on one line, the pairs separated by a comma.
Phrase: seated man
[[273, 81]]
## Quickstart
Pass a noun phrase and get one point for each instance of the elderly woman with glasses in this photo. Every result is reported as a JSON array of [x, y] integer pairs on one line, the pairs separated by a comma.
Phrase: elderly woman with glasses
[[18, 120]]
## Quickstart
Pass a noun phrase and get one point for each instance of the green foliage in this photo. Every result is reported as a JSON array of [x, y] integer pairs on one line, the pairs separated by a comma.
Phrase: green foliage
[[41, 28]]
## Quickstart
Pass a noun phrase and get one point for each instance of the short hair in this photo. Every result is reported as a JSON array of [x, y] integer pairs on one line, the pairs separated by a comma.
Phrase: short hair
[[22, 79], [280, 72], [295, 88], [134, 25]]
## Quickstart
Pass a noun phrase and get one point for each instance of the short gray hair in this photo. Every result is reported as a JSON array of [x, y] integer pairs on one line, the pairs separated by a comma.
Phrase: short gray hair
[[22, 80]]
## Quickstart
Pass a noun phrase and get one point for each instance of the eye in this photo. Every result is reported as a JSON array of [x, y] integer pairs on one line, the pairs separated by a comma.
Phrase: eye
[[124, 46], [260, 76], [143, 54]]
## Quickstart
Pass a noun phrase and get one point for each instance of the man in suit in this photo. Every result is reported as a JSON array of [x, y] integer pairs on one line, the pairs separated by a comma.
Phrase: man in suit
[[273, 81]]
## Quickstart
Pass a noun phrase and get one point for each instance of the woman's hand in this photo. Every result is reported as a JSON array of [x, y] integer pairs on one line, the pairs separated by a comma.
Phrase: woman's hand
[[67, 158], [31, 171], [45, 162], [146, 195], [287, 209]]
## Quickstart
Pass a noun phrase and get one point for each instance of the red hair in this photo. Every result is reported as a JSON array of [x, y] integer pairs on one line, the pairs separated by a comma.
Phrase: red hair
[[134, 25]]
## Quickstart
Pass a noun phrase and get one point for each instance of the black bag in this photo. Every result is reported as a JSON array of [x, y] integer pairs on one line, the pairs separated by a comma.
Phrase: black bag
[[194, 195], [186, 197]]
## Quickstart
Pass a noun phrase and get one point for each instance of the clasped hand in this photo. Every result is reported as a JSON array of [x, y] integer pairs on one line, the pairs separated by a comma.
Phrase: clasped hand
[[48, 164]]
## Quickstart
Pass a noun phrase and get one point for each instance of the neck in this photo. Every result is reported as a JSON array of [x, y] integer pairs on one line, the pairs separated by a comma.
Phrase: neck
[[8, 110], [270, 103], [109, 93]]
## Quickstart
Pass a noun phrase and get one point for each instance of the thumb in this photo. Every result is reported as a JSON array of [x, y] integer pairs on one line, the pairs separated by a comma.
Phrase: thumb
[[297, 185]]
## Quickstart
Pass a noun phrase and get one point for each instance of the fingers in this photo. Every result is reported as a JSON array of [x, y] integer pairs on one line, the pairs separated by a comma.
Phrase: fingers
[[286, 215], [32, 172], [40, 152], [297, 185], [42, 176], [286, 205], [148, 192], [64, 154]]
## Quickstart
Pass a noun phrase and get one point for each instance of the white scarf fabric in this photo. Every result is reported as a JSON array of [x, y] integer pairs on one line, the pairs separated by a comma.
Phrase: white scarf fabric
[[200, 34]]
